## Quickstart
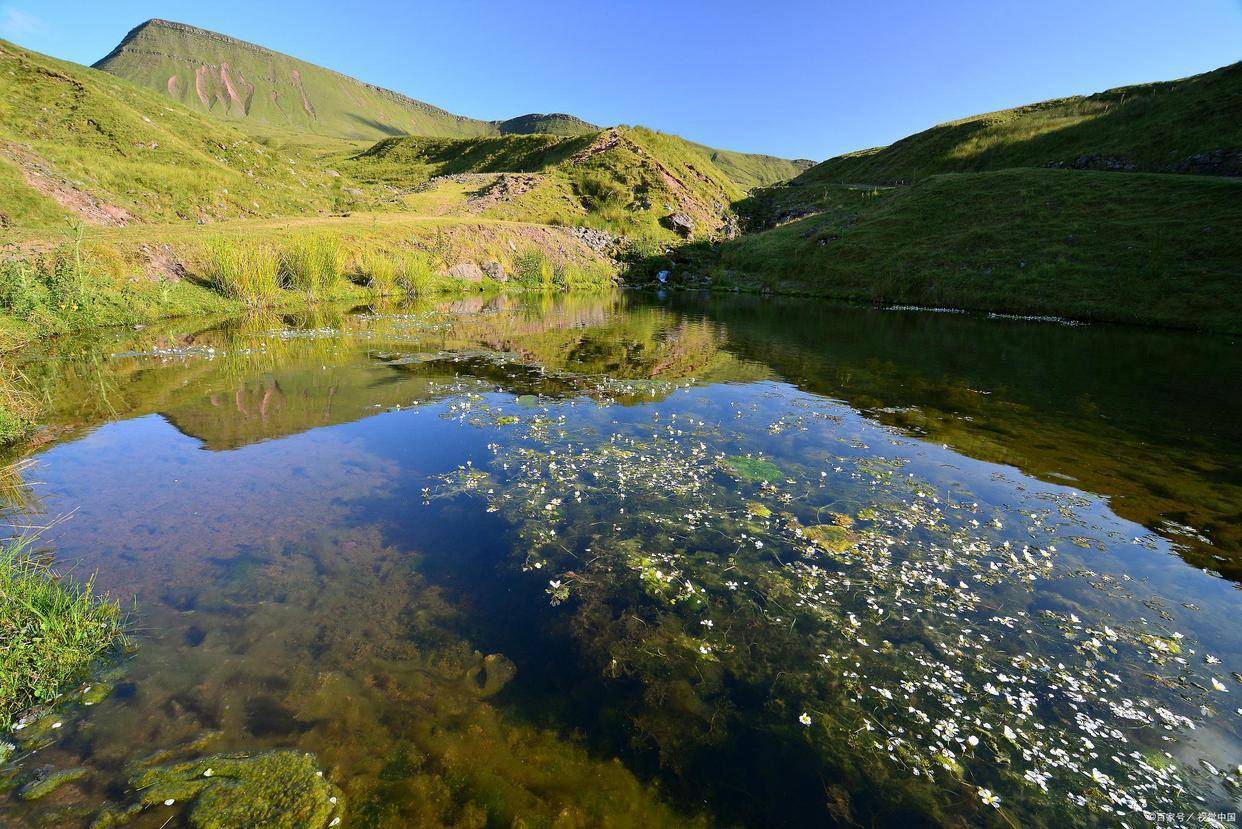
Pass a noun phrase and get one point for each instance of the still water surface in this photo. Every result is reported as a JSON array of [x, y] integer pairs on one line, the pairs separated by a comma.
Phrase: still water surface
[[639, 561]]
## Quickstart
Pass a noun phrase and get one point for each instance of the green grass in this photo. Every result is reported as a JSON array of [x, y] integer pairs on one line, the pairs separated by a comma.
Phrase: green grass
[[402, 273], [1146, 248], [51, 630]]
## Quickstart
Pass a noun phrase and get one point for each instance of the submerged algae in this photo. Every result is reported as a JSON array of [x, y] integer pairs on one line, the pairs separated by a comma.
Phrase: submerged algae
[[276, 789]]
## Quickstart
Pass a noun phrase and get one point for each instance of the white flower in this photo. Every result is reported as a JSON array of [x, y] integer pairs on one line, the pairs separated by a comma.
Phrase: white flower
[[989, 799], [805, 719], [169, 802], [973, 740], [208, 773], [1218, 685]]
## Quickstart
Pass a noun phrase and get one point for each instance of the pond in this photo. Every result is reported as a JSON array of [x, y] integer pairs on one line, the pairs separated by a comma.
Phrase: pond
[[636, 560]]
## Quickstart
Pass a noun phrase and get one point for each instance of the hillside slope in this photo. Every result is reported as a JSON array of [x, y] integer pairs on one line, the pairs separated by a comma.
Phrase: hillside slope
[[243, 82], [1151, 248], [626, 180], [81, 144], [1192, 125]]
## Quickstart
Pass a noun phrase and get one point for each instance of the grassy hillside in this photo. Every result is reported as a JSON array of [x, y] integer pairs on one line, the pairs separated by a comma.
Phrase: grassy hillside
[[1151, 248], [242, 82], [556, 123], [751, 170], [1190, 125], [80, 144], [625, 180]]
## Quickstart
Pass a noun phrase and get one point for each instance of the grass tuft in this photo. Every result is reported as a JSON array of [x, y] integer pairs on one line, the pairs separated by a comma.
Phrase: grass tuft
[[313, 265], [51, 629], [247, 272]]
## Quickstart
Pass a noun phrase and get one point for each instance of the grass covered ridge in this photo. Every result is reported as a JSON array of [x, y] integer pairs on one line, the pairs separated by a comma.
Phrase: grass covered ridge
[[51, 630], [1153, 127]]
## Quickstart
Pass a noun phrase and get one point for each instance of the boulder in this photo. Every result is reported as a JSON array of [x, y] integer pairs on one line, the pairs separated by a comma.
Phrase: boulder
[[466, 272], [679, 223], [495, 270]]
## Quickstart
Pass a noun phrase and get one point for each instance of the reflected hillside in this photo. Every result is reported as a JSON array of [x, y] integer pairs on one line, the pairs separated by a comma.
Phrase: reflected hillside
[[229, 383], [1147, 418]]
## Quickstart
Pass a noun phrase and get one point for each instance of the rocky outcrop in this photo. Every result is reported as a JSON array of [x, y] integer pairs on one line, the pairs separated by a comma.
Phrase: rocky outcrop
[[680, 223]]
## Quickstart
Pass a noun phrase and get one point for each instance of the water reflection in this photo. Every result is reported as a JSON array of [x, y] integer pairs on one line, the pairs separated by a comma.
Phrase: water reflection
[[607, 561]]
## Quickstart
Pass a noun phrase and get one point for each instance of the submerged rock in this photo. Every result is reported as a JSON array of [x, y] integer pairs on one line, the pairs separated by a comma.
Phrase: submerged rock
[[276, 789], [492, 674]]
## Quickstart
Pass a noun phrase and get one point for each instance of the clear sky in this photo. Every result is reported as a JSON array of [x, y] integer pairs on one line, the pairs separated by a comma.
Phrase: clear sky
[[797, 79]]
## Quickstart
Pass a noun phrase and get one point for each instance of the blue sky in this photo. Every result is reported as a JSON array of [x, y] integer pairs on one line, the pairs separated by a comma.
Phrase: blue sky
[[798, 79]]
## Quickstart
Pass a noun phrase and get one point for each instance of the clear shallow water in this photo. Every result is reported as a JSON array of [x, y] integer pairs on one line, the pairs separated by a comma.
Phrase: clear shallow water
[[628, 561]]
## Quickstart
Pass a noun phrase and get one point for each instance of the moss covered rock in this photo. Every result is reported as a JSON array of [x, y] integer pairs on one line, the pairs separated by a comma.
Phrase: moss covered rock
[[45, 781], [276, 789]]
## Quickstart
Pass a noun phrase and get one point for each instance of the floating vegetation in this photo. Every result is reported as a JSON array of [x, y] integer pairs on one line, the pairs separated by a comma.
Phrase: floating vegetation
[[927, 630], [751, 469]]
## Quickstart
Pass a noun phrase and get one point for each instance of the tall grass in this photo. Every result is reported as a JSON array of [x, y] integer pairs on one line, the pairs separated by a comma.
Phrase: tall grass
[[408, 272], [313, 264], [533, 269], [51, 629], [248, 272]]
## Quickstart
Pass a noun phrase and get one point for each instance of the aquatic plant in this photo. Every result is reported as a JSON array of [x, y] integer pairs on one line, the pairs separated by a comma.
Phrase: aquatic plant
[[277, 789], [953, 650], [51, 629]]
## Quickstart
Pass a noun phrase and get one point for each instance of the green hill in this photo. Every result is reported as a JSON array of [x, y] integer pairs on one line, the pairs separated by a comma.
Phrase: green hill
[[82, 144], [273, 95], [1191, 125], [556, 123], [626, 180], [1116, 206], [263, 89]]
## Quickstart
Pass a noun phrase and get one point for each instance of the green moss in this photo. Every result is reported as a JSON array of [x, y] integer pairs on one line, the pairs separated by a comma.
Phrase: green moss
[[277, 789], [45, 782]]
